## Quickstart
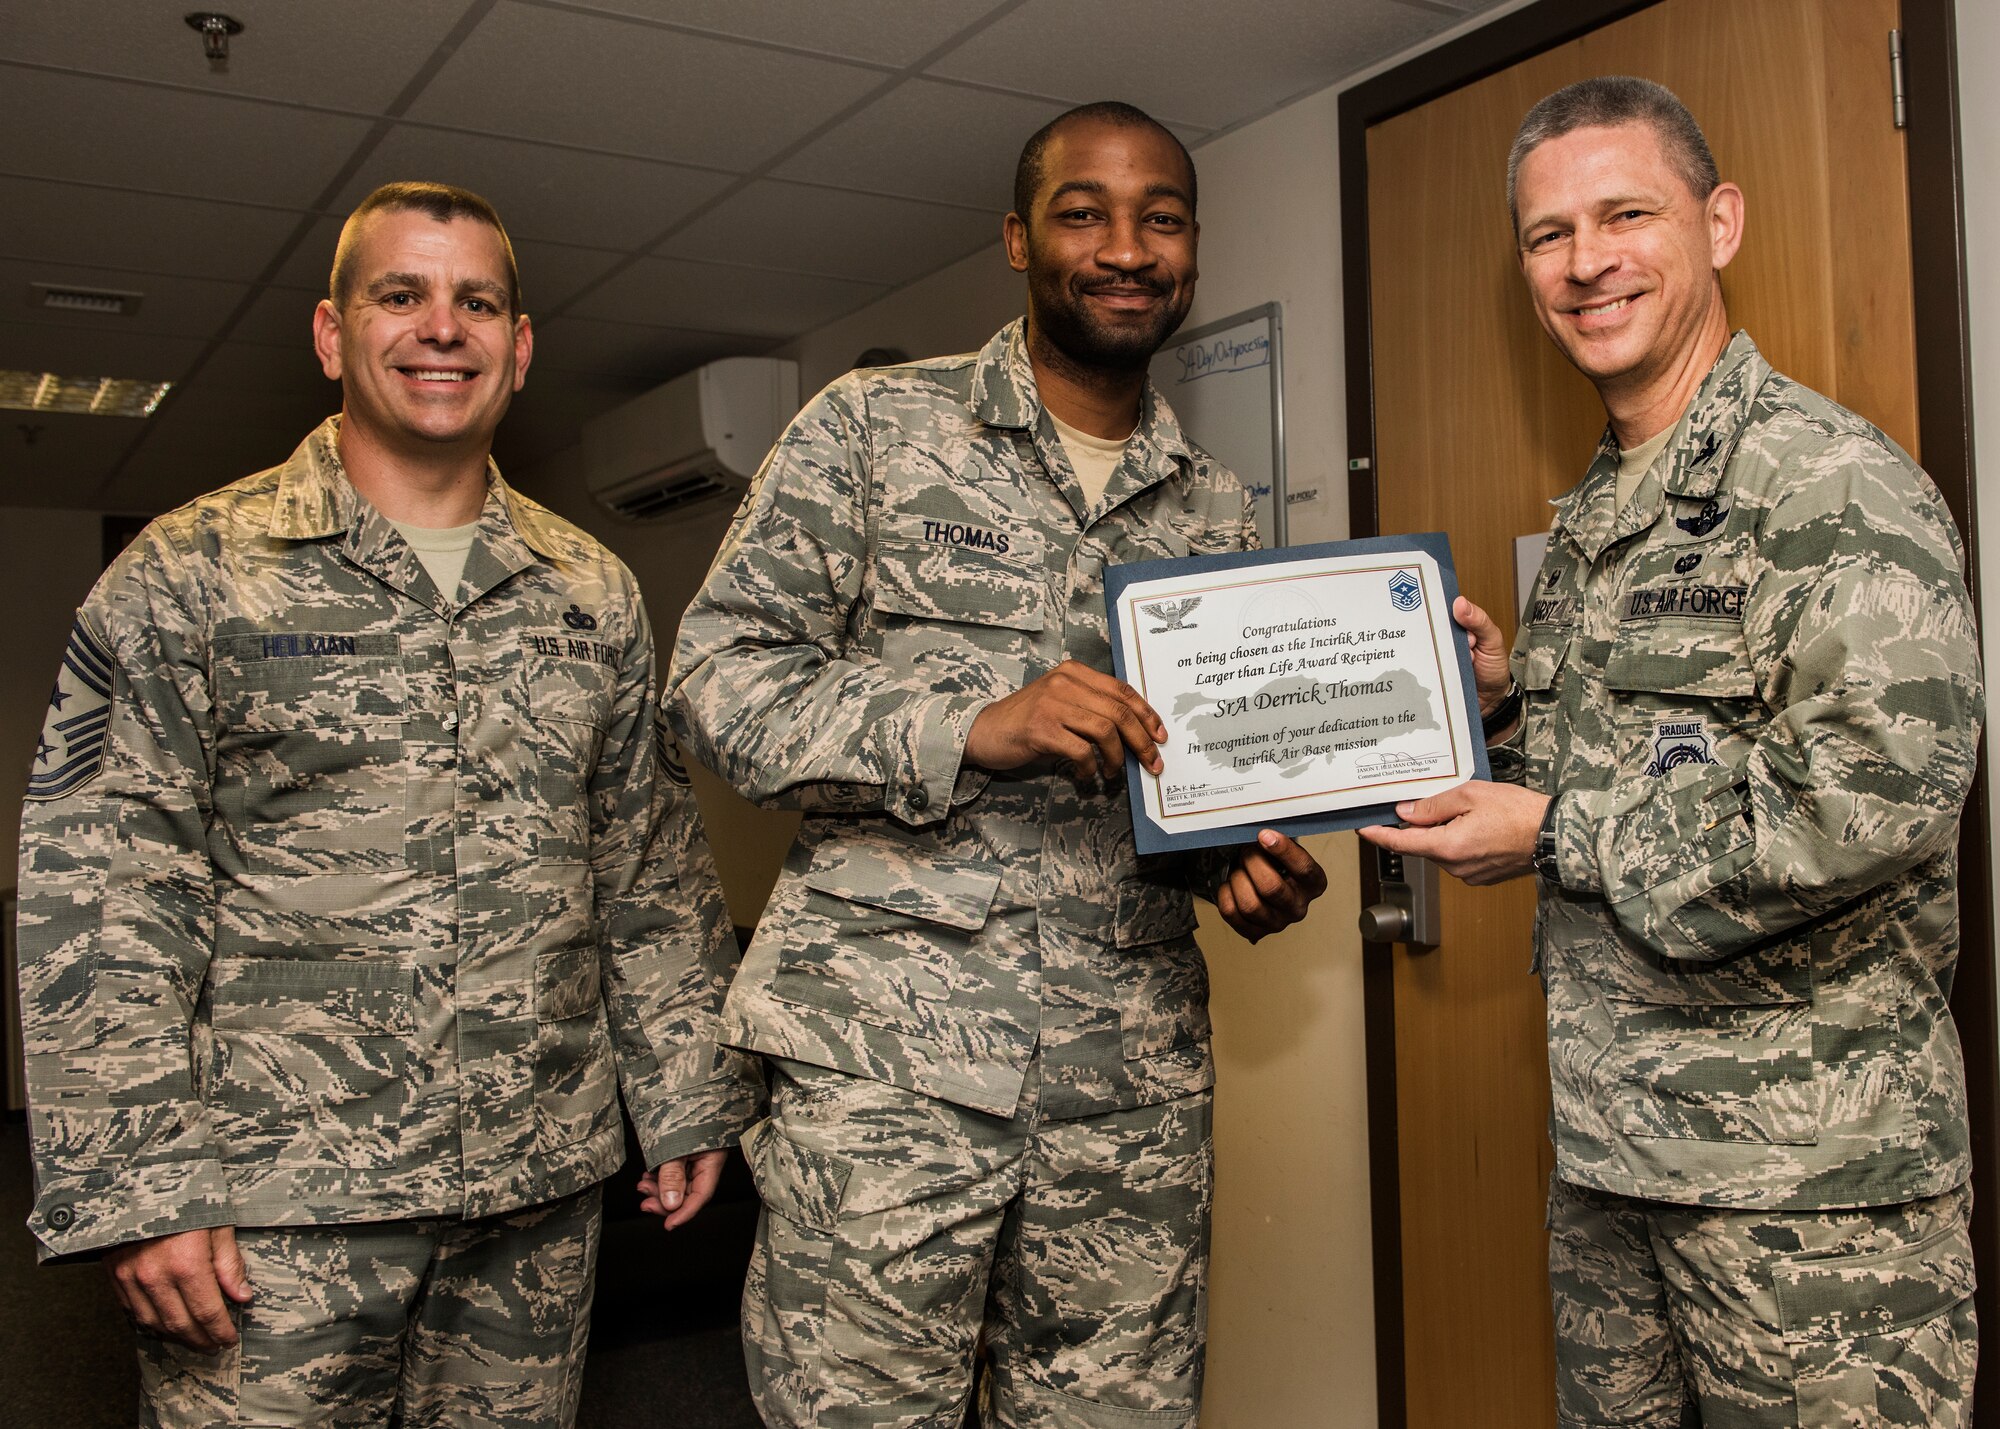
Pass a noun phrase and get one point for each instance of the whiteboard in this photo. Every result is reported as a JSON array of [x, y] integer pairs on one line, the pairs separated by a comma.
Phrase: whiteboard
[[1225, 381]]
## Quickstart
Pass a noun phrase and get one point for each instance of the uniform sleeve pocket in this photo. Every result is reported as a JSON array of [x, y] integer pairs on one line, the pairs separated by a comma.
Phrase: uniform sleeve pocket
[[344, 998]]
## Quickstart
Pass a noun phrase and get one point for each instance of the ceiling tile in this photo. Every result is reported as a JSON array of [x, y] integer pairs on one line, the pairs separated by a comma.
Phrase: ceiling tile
[[278, 317], [137, 232], [72, 352], [893, 32], [307, 266], [928, 140], [282, 53], [1265, 53], [716, 298], [67, 460], [647, 354], [175, 307], [255, 371], [296, 408], [543, 192], [830, 231], [669, 95], [554, 273], [203, 146]]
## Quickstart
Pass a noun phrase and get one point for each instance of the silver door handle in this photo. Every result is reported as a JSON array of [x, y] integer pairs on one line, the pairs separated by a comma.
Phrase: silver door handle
[[1408, 912]]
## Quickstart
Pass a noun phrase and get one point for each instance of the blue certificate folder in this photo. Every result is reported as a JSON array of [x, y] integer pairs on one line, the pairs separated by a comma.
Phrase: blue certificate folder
[[1151, 838]]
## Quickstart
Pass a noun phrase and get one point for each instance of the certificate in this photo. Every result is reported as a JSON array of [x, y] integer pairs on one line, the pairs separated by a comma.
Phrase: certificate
[[1303, 689]]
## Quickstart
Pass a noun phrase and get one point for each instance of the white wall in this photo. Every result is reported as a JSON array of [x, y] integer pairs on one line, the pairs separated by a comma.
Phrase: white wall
[[1979, 112]]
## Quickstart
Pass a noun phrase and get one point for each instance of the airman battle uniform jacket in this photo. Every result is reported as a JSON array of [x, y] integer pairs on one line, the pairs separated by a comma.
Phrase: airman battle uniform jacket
[[344, 899], [1755, 695], [916, 547]]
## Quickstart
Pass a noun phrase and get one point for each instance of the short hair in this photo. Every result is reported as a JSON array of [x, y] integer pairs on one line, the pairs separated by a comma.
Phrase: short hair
[[1608, 101], [442, 202], [1028, 174]]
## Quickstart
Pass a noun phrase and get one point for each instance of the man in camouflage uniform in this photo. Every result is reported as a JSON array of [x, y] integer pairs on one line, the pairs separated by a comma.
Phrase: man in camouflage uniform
[[990, 1115], [355, 887], [1752, 703]]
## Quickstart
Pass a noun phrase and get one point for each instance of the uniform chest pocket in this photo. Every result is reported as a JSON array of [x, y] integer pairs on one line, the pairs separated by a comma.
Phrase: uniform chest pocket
[[568, 701], [1683, 691], [957, 619], [1538, 660], [564, 689], [309, 742], [266, 683]]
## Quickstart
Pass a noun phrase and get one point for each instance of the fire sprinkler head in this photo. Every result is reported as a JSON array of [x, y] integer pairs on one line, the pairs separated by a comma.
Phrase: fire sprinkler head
[[215, 28]]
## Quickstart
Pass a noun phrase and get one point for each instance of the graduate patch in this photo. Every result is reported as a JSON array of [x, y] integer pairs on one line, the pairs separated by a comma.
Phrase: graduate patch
[[1677, 742], [70, 752]]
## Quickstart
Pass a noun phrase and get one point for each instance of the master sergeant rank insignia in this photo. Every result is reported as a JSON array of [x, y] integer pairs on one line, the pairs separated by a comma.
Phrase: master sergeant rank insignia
[[70, 752]]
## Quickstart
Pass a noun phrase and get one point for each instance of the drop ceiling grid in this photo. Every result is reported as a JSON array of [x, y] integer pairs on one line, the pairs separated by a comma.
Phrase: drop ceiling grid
[[670, 220]]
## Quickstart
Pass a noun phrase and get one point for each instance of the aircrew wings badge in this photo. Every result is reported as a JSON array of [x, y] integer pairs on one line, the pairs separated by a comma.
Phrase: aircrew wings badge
[[70, 752]]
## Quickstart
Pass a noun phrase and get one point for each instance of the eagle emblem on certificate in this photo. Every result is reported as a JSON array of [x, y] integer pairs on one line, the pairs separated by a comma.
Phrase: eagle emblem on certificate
[[1173, 614]]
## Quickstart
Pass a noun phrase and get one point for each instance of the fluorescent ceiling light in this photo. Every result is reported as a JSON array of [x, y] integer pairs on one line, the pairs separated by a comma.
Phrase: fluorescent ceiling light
[[89, 396]]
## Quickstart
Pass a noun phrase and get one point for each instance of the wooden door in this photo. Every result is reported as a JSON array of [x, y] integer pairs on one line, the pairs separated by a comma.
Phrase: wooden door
[[1479, 422]]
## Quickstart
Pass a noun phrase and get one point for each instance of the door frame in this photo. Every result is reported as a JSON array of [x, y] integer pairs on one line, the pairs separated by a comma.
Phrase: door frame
[[1944, 407]]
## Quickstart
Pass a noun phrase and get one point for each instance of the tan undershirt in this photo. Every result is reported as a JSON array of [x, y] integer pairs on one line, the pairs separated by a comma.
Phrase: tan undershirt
[[442, 550], [1636, 462], [1093, 459]]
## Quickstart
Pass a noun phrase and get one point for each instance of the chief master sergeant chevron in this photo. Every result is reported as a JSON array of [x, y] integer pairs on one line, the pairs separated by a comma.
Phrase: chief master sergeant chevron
[[990, 1118], [354, 888], [1752, 705]]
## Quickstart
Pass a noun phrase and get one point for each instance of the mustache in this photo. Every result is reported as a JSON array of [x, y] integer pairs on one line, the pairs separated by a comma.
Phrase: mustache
[[1137, 282]]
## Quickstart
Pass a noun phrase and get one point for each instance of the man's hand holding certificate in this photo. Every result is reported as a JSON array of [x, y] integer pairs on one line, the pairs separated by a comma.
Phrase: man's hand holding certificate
[[1302, 689], [1092, 721]]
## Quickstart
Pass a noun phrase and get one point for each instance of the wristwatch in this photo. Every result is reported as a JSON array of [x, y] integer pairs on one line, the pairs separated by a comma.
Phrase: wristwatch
[[1546, 867], [1502, 715]]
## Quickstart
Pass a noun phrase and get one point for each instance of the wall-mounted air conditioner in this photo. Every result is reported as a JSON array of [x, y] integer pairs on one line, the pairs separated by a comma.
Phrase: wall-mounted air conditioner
[[695, 441]]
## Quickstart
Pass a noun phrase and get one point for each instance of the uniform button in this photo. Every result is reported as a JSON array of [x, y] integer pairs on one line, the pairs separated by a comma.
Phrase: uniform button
[[450, 720], [919, 799], [61, 1218]]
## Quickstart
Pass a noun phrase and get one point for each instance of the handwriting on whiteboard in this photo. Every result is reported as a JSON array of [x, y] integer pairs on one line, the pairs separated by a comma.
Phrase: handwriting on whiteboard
[[1222, 354]]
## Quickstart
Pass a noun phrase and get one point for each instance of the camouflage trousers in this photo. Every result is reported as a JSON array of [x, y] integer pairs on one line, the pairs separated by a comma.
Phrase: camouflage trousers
[[418, 1322], [1670, 1315], [901, 1234]]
